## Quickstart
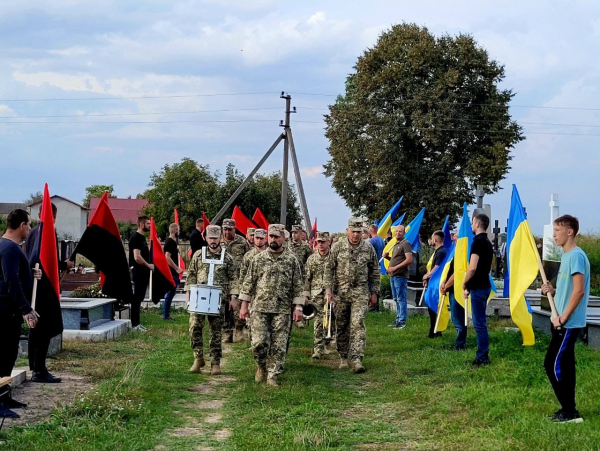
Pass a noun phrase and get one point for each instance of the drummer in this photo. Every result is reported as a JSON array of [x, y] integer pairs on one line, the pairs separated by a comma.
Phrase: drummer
[[225, 276]]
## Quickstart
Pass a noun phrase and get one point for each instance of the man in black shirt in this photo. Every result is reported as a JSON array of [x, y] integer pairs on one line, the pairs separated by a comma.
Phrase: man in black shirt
[[197, 240], [439, 257], [477, 284], [172, 256], [16, 287], [139, 255]]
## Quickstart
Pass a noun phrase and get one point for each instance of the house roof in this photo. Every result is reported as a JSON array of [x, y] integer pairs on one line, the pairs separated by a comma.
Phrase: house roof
[[124, 210], [58, 197], [7, 207]]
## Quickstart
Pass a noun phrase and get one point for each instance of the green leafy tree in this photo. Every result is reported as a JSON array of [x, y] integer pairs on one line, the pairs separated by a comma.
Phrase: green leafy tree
[[126, 229], [33, 197], [422, 117], [96, 191]]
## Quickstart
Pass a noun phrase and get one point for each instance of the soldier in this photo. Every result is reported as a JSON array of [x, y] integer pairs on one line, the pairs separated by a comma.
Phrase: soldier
[[225, 276], [273, 284], [300, 249], [314, 289], [237, 247], [250, 236], [353, 270]]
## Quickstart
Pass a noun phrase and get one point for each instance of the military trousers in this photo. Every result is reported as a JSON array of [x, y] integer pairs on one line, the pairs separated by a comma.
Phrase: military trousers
[[350, 313], [320, 333], [232, 319], [269, 340], [215, 323]]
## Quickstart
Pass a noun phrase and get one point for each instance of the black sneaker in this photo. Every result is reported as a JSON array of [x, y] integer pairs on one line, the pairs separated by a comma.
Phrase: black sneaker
[[460, 348], [14, 404], [480, 362], [399, 326], [566, 417], [45, 378], [555, 415], [5, 412]]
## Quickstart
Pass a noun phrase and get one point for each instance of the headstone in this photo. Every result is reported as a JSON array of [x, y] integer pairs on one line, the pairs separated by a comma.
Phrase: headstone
[[549, 247]]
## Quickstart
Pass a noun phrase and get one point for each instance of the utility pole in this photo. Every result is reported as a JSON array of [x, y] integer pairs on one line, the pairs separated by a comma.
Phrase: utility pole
[[286, 153]]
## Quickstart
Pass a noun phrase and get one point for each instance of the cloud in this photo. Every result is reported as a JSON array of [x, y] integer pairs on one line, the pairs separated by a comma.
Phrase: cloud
[[6, 111], [70, 51], [311, 172]]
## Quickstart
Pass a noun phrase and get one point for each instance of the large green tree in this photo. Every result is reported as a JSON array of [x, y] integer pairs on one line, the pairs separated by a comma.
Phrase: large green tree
[[96, 191], [192, 188], [423, 117]]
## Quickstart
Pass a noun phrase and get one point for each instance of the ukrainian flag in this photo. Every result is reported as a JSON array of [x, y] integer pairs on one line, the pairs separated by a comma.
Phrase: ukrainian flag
[[397, 222], [411, 235], [522, 262], [461, 255], [432, 293], [443, 314], [447, 242], [388, 219]]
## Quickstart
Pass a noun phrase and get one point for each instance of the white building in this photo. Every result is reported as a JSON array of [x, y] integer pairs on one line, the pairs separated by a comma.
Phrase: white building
[[71, 218]]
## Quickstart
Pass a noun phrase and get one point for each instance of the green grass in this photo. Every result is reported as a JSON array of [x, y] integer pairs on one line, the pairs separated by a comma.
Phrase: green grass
[[416, 393]]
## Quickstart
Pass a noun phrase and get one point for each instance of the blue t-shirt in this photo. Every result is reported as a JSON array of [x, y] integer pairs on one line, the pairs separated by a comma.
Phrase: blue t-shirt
[[573, 262], [378, 243]]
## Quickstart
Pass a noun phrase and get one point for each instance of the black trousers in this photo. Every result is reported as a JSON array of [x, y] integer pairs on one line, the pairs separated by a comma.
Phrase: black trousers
[[560, 366], [10, 331], [37, 350], [432, 320], [140, 285]]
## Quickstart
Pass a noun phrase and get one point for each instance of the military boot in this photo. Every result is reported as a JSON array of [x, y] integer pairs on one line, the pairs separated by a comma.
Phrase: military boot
[[357, 367], [215, 369], [227, 336], [273, 382], [238, 337], [261, 375], [343, 364], [317, 355], [198, 363]]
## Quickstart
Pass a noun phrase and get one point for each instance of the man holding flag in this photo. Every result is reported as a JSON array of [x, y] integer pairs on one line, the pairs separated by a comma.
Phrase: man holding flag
[[398, 270], [139, 261], [439, 257], [172, 255]]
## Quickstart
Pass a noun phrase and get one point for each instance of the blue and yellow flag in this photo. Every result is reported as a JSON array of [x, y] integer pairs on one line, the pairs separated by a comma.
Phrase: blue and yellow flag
[[432, 292], [461, 255], [398, 221], [443, 315], [522, 262], [388, 219]]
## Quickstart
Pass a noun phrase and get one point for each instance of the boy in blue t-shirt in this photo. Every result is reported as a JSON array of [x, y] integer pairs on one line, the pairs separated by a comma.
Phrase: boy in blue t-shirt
[[571, 299]]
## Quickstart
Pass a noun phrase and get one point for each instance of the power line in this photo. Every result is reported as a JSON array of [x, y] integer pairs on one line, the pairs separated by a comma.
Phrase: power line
[[142, 97], [136, 122]]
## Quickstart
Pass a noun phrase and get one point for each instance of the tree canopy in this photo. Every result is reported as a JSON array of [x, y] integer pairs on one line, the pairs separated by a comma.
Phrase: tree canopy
[[422, 117], [192, 188], [96, 191]]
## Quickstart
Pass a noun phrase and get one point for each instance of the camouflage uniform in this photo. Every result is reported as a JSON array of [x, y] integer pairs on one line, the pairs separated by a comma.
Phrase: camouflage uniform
[[350, 273], [314, 289], [225, 276], [272, 284], [237, 248], [301, 250]]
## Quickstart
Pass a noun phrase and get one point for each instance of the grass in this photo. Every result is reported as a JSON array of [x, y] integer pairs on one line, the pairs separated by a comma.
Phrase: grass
[[417, 393]]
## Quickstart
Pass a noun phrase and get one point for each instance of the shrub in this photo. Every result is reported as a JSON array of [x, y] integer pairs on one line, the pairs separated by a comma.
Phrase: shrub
[[590, 244], [89, 291], [385, 289]]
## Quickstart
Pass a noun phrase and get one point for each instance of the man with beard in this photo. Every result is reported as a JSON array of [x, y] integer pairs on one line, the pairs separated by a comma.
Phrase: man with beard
[[225, 276], [353, 270], [314, 289], [237, 247], [250, 236], [273, 284], [139, 255], [16, 287]]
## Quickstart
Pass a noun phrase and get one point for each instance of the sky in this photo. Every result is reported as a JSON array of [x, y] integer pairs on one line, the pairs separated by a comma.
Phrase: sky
[[108, 64]]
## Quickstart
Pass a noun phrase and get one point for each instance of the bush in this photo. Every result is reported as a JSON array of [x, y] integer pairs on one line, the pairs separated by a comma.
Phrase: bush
[[89, 291], [590, 244], [385, 289]]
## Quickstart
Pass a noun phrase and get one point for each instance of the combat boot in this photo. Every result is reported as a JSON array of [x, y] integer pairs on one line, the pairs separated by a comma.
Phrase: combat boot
[[357, 367], [198, 363], [273, 382], [343, 364], [261, 375], [317, 355], [238, 337], [228, 336], [215, 369]]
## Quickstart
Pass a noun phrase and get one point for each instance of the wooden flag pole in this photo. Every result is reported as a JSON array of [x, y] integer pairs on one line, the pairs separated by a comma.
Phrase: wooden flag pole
[[35, 283], [422, 296], [545, 280], [466, 310], [150, 286]]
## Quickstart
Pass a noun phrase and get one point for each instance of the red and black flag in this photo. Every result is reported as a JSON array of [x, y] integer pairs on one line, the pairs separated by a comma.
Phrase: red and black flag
[[260, 219], [313, 238], [101, 244], [162, 280], [45, 252], [241, 221]]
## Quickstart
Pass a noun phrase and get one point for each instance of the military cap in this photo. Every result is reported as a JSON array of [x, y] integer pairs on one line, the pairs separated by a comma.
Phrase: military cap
[[297, 228], [260, 233], [355, 224], [250, 231], [276, 229], [213, 231], [229, 223], [323, 236]]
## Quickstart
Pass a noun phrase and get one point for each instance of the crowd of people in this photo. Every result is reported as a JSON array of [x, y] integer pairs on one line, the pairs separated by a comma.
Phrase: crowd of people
[[269, 276]]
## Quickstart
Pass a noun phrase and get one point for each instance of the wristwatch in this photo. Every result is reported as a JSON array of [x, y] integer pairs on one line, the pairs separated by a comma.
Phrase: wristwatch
[[299, 308]]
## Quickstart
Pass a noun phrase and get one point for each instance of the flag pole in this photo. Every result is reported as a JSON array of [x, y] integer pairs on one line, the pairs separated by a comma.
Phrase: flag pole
[[150, 286], [422, 296], [35, 283], [467, 311], [441, 304], [545, 280]]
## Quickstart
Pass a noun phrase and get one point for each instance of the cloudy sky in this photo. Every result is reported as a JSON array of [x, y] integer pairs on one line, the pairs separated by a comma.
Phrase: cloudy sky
[[182, 56]]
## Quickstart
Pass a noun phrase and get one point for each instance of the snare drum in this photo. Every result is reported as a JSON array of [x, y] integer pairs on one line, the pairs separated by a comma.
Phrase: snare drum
[[205, 300]]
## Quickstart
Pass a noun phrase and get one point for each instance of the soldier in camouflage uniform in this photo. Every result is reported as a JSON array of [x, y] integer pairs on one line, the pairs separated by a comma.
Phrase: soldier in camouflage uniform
[[273, 284], [225, 276], [353, 276], [236, 246], [250, 236], [314, 289], [300, 248]]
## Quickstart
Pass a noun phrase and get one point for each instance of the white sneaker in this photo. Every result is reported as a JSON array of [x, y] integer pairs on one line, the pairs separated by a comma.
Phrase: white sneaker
[[144, 329], [139, 328]]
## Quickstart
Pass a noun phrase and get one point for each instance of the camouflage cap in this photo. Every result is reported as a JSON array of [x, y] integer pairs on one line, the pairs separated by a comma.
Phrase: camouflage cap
[[297, 228], [229, 223], [260, 233], [323, 236], [213, 231], [276, 229], [355, 224], [250, 231]]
